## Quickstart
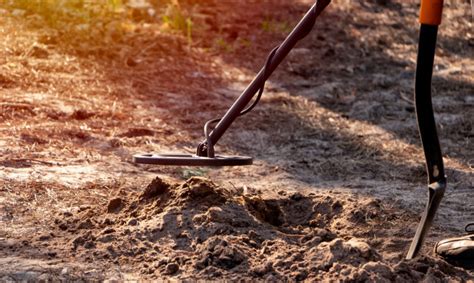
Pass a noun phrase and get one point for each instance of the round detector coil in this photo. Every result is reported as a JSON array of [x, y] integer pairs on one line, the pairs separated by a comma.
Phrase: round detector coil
[[191, 160]]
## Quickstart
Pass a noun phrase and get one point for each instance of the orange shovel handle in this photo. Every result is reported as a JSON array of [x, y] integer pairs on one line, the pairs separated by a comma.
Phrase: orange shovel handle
[[431, 12]]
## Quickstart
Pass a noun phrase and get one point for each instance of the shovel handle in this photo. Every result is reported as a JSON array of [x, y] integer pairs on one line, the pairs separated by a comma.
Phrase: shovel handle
[[431, 12], [430, 18]]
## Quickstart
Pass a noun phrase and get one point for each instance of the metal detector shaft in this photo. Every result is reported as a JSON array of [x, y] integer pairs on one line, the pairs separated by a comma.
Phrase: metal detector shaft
[[430, 18], [299, 32]]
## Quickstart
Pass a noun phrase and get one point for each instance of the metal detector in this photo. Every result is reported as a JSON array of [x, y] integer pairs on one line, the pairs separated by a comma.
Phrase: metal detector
[[205, 155]]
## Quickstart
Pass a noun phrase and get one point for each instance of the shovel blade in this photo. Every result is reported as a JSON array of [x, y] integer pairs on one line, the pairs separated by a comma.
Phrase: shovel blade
[[436, 192]]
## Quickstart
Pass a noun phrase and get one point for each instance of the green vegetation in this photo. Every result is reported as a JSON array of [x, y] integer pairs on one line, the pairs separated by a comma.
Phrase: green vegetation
[[115, 15], [55, 11], [175, 18]]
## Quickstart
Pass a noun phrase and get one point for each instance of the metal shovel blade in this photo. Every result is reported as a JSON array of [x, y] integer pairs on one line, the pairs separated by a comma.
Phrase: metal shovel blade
[[436, 192]]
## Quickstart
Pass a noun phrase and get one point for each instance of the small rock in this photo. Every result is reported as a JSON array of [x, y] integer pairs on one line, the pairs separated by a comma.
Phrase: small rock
[[132, 222], [171, 268]]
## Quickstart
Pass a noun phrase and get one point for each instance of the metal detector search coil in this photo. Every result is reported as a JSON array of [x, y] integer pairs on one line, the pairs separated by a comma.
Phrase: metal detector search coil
[[191, 160]]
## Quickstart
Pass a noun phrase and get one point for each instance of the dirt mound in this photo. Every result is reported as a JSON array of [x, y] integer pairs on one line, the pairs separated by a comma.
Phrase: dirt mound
[[197, 229]]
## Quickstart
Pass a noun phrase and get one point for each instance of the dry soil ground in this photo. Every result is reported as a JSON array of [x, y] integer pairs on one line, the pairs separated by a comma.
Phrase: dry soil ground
[[338, 181]]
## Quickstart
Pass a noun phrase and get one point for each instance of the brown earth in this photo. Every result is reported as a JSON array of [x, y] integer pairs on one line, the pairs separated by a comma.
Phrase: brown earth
[[338, 181]]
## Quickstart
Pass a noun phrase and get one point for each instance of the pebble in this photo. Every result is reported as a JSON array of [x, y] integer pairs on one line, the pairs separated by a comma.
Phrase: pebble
[[171, 268]]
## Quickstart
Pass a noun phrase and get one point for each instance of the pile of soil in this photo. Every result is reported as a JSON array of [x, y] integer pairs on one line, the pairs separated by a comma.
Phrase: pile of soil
[[196, 229]]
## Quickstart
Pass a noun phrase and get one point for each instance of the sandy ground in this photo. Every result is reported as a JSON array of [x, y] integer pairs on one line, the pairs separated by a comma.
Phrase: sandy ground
[[338, 180]]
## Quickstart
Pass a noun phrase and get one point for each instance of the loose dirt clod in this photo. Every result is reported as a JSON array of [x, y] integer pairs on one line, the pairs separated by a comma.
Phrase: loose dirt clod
[[155, 188]]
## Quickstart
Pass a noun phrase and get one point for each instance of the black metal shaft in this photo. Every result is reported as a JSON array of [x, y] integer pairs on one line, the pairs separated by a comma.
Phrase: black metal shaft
[[428, 134], [423, 104], [300, 31]]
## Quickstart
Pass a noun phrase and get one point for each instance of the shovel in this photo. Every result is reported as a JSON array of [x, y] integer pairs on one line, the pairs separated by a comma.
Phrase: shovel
[[430, 18]]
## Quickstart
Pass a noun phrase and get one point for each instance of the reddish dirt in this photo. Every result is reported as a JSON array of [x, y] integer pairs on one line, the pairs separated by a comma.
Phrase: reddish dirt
[[338, 181]]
